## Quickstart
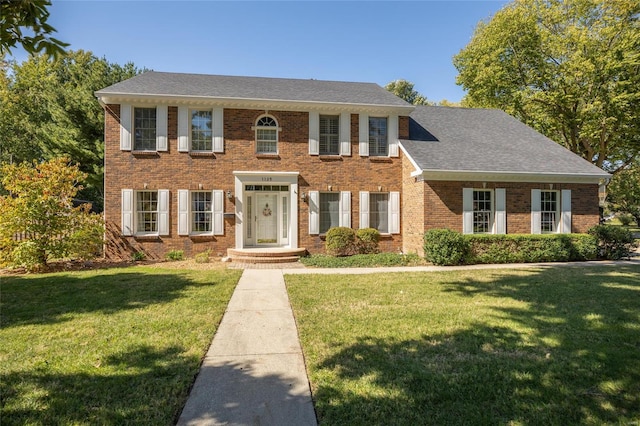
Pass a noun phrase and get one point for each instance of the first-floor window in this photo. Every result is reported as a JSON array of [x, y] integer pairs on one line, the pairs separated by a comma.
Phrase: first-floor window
[[482, 212], [146, 212], [329, 211], [549, 211], [201, 212], [379, 212]]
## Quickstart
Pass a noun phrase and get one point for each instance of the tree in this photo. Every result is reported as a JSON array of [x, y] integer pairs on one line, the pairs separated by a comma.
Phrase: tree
[[49, 110], [404, 89], [31, 15], [568, 68], [623, 192], [38, 220]]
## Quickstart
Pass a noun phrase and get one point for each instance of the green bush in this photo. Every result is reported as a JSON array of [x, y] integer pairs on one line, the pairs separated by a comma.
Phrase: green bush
[[203, 257], [445, 247], [614, 242], [367, 240], [175, 255], [341, 241], [517, 248], [138, 256]]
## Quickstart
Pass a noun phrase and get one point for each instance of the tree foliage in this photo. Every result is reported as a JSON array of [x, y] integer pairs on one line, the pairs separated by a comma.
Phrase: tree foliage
[[404, 90], [570, 69], [38, 220], [49, 110], [623, 192], [24, 22]]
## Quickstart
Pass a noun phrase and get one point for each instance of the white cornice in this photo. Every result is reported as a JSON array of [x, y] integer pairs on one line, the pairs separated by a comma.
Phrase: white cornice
[[510, 176], [242, 103]]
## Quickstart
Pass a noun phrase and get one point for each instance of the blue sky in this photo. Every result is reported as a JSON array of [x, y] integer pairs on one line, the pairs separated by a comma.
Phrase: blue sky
[[375, 42]]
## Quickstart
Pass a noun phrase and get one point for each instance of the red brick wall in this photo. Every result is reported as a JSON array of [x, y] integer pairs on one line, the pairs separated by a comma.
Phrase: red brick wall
[[175, 170], [443, 201], [413, 211]]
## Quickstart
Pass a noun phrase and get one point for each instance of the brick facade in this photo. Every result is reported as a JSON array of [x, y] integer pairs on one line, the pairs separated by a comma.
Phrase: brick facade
[[175, 170], [424, 205]]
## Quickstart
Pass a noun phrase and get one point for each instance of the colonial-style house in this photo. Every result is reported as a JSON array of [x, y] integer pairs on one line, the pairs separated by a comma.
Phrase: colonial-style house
[[234, 164]]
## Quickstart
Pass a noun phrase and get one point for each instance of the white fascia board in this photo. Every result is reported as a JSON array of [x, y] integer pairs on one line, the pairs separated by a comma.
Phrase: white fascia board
[[248, 103], [509, 176], [417, 171], [256, 177]]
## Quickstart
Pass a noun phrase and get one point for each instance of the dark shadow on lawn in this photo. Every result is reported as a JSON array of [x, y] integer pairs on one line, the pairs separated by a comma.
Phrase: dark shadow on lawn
[[577, 363], [51, 298], [149, 387]]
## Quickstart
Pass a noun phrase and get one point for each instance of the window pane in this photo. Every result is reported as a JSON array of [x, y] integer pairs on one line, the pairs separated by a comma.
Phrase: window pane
[[549, 211], [146, 211], [378, 136], [201, 216], [144, 129], [329, 134], [378, 212], [482, 212], [201, 131], [329, 211]]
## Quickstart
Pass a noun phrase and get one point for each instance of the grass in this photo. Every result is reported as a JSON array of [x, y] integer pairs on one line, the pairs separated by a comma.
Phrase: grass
[[536, 346], [113, 346], [362, 260]]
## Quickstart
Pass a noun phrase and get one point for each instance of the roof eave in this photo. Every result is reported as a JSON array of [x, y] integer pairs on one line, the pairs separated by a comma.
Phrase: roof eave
[[248, 103], [511, 176]]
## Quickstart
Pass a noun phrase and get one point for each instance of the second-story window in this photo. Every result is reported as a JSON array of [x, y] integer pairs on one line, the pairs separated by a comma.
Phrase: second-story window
[[266, 135], [201, 130], [144, 129], [378, 143], [329, 134]]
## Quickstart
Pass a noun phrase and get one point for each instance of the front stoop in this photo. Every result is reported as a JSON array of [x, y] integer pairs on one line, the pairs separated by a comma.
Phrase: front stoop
[[266, 255]]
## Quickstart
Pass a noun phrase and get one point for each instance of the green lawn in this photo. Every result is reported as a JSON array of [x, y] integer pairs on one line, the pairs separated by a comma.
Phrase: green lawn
[[117, 346], [557, 345]]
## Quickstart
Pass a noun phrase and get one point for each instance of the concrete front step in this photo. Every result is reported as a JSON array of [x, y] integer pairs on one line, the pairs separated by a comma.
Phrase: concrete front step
[[265, 255]]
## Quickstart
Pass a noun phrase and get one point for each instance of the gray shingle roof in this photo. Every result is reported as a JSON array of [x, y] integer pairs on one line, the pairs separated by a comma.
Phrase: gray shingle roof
[[278, 89], [486, 140]]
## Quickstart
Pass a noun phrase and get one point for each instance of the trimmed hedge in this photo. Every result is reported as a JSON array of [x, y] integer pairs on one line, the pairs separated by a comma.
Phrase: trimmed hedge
[[516, 248], [446, 247], [341, 241], [367, 240], [614, 242]]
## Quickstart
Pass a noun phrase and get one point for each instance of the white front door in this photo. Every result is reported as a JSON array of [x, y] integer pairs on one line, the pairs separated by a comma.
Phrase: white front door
[[266, 217]]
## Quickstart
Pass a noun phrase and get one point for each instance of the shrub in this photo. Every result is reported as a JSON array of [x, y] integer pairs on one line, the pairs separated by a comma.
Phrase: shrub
[[614, 242], [517, 248], [445, 247], [175, 255], [138, 256], [361, 260], [367, 240], [341, 241], [203, 257]]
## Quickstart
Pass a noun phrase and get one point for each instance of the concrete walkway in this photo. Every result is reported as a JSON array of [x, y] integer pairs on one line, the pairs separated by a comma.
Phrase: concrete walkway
[[254, 372]]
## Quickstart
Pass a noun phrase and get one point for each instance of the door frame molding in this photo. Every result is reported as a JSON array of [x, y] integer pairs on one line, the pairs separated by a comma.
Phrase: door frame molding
[[243, 178]]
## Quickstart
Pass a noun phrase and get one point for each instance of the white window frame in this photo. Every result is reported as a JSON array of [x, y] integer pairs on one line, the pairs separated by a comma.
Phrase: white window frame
[[185, 134], [129, 213], [344, 210], [344, 133], [275, 128], [185, 213], [327, 135], [375, 142], [393, 211], [562, 213], [481, 213], [191, 131], [134, 140], [498, 214]]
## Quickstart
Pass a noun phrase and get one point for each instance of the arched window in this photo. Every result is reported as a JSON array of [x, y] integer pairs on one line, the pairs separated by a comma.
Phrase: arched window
[[266, 135]]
